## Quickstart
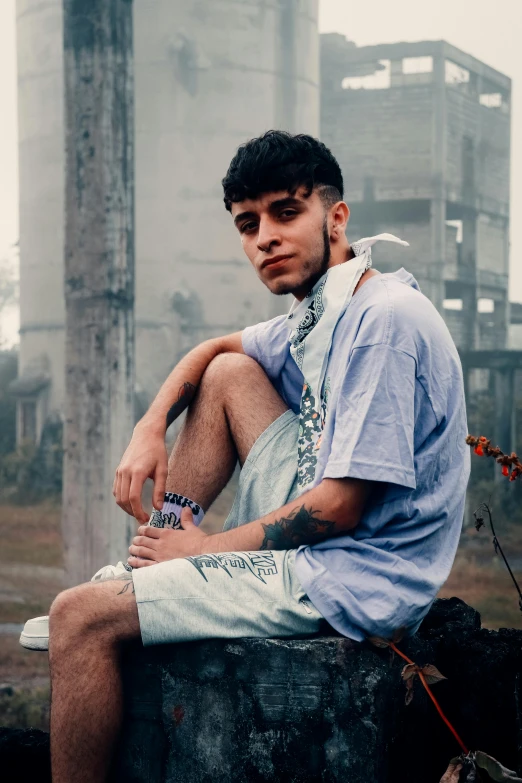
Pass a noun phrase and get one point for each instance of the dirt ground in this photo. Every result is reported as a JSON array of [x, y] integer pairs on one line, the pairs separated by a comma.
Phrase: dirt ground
[[32, 574]]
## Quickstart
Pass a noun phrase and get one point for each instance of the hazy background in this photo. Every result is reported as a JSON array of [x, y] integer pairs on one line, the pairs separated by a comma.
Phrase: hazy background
[[30, 521], [492, 32]]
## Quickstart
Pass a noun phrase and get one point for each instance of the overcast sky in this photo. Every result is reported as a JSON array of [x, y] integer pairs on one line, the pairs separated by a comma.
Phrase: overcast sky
[[490, 31]]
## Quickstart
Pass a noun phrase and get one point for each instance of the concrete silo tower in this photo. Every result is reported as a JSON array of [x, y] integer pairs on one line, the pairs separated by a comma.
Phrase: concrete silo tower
[[210, 74], [40, 386]]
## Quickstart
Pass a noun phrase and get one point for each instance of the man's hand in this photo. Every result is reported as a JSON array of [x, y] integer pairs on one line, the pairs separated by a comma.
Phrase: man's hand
[[145, 457], [155, 545]]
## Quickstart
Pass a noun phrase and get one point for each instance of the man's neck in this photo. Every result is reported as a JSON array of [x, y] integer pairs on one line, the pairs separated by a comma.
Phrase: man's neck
[[340, 255], [347, 255]]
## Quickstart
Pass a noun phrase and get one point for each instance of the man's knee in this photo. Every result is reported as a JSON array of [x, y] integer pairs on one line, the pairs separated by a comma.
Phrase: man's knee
[[73, 614], [227, 367], [66, 607]]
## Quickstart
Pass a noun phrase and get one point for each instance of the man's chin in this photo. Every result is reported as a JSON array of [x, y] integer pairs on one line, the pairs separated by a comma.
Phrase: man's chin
[[282, 286], [282, 289]]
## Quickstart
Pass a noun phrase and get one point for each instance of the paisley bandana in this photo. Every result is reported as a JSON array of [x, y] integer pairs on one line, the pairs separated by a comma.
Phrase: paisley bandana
[[315, 319]]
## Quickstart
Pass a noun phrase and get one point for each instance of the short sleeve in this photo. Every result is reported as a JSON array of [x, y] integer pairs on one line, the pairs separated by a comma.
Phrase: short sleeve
[[267, 343], [373, 430]]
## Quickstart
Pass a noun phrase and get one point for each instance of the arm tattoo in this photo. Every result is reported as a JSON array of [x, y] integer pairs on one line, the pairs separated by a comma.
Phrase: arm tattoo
[[127, 578], [185, 395], [301, 526]]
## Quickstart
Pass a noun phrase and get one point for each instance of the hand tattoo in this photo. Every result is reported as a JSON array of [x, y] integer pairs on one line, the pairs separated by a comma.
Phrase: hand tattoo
[[127, 578], [300, 527], [185, 396]]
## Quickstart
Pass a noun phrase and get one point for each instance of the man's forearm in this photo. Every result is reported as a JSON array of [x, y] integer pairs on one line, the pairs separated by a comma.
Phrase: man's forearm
[[180, 387], [308, 519]]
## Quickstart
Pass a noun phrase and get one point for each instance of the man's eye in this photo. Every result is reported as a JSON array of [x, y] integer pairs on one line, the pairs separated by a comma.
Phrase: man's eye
[[246, 227], [288, 213]]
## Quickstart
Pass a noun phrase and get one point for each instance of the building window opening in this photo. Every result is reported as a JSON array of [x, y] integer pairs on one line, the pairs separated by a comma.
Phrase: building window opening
[[379, 79], [28, 422], [452, 304], [485, 305], [458, 225], [456, 74], [492, 100], [417, 65]]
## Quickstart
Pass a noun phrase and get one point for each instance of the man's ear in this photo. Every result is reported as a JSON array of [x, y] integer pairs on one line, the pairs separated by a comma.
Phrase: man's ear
[[340, 214]]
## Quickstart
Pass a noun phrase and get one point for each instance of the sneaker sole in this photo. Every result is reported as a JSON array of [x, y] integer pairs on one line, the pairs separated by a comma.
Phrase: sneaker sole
[[34, 642]]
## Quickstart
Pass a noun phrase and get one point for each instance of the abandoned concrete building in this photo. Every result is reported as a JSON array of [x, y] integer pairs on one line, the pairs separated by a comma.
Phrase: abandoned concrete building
[[422, 132]]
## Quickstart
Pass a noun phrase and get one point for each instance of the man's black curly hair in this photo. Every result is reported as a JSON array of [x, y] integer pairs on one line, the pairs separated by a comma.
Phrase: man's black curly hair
[[278, 160]]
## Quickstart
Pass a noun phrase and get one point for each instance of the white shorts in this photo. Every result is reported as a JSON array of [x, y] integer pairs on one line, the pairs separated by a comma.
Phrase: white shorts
[[235, 594]]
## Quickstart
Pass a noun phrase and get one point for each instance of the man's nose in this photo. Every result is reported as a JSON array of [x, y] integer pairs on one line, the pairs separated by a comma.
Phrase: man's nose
[[268, 235]]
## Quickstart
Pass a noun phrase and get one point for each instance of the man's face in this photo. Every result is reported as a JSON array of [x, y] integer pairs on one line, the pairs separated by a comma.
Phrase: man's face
[[285, 238]]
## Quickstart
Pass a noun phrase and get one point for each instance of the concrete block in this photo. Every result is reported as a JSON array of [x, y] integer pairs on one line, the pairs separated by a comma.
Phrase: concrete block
[[319, 710]]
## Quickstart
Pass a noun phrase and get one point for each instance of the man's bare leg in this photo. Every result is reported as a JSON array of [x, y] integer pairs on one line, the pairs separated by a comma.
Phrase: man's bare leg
[[234, 405], [87, 626]]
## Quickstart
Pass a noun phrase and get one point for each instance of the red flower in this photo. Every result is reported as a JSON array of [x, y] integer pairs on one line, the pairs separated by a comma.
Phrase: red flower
[[505, 470], [478, 451], [513, 475]]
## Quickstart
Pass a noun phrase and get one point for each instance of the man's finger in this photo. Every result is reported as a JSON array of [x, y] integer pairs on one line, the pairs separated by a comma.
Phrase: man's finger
[[124, 487], [150, 531], [186, 518], [160, 480], [135, 490], [139, 562], [116, 489], [142, 552], [150, 543]]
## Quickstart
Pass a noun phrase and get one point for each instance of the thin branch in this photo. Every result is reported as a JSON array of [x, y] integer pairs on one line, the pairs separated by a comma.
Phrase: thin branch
[[479, 521], [432, 697]]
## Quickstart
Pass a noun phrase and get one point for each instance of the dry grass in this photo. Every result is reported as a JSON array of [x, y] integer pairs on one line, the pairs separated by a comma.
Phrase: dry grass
[[22, 708], [19, 666], [481, 579], [488, 588], [30, 578], [31, 534]]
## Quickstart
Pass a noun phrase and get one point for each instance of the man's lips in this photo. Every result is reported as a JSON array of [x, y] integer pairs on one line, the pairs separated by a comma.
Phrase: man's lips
[[274, 262]]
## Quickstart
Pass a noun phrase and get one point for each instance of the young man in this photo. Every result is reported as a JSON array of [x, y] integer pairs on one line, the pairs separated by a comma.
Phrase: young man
[[348, 420]]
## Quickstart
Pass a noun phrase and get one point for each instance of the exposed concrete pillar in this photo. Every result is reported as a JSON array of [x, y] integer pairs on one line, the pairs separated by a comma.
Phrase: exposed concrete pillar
[[505, 410], [99, 278], [438, 169], [469, 262]]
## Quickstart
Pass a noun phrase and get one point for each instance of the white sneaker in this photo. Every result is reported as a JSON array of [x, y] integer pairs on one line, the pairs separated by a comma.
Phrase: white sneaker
[[109, 572], [35, 635]]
